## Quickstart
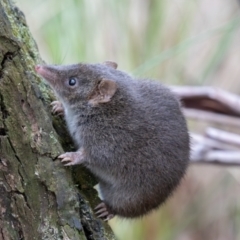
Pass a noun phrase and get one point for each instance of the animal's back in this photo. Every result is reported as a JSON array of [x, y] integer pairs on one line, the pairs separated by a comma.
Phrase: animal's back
[[154, 152]]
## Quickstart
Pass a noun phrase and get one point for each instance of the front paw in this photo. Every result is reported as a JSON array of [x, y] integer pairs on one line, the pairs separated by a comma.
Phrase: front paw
[[72, 158], [57, 108]]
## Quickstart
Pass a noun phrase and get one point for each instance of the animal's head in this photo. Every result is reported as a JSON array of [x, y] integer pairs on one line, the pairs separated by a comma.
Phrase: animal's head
[[83, 83]]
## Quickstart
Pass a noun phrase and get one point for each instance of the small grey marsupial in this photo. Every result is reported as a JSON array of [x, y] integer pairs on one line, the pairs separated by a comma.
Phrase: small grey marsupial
[[130, 133]]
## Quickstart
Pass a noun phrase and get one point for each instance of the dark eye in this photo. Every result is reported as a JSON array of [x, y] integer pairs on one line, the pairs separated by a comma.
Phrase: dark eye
[[72, 81]]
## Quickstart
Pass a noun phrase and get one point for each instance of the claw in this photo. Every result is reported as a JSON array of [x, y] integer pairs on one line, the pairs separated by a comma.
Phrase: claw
[[101, 210], [110, 216], [72, 158], [66, 159], [68, 164], [61, 156], [104, 214], [53, 103], [57, 107], [100, 205]]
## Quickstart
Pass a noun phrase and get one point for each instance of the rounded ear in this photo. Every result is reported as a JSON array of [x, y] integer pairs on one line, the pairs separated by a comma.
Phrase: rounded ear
[[104, 92], [111, 64]]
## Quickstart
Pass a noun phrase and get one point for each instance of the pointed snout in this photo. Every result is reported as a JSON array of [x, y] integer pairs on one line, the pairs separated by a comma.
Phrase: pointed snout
[[48, 72], [39, 69]]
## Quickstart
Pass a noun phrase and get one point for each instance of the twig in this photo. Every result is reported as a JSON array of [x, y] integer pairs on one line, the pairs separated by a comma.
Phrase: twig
[[216, 147], [219, 157], [212, 117], [223, 136], [215, 106], [211, 143], [208, 98]]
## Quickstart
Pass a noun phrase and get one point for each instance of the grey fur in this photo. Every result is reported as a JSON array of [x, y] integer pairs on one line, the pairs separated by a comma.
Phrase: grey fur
[[137, 144]]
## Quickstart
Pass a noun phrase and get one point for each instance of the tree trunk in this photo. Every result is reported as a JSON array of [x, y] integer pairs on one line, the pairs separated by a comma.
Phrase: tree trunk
[[39, 198]]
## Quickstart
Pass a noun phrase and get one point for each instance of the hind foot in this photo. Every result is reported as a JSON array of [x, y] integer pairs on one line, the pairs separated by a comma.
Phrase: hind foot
[[103, 212]]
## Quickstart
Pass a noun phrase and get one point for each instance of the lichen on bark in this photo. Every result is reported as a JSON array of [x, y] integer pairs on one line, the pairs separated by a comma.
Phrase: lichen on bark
[[39, 198]]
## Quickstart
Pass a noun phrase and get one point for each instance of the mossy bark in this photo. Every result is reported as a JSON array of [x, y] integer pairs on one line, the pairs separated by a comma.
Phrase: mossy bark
[[39, 198]]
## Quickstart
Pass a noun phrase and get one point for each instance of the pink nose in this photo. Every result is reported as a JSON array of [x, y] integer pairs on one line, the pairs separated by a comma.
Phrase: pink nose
[[37, 68]]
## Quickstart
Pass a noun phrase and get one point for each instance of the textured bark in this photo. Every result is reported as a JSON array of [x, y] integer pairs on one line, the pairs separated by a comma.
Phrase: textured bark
[[39, 198]]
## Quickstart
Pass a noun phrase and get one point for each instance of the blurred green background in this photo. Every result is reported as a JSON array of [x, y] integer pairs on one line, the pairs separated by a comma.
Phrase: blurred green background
[[180, 42]]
